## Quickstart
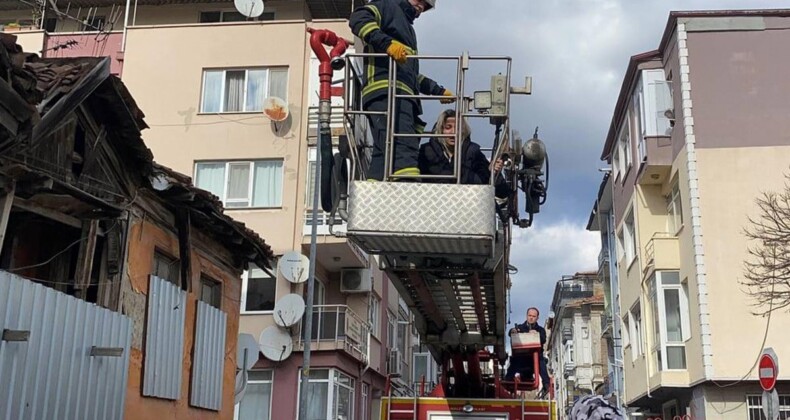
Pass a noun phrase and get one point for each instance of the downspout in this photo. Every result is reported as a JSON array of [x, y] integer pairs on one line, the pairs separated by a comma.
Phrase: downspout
[[694, 198], [125, 25]]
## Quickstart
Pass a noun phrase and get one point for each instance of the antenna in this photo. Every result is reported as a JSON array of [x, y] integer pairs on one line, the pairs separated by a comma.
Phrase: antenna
[[249, 8], [276, 344], [276, 109], [294, 267], [289, 310]]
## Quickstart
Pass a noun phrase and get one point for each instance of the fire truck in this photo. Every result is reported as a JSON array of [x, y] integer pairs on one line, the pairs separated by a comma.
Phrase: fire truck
[[445, 246]]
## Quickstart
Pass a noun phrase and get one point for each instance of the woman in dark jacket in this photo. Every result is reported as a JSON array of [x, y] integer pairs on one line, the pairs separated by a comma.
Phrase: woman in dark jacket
[[436, 156]]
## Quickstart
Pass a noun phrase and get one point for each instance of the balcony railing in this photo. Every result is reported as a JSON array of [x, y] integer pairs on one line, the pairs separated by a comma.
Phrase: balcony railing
[[336, 327], [323, 223]]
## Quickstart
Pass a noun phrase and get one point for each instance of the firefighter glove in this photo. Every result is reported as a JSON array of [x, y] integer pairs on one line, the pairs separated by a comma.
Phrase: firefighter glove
[[450, 99], [398, 51]]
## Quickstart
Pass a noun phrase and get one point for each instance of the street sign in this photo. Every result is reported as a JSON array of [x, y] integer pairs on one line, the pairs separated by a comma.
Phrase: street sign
[[771, 405], [768, 369]]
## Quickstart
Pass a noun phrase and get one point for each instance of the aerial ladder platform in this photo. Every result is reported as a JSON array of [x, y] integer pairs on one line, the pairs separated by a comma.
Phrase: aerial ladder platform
[[445, 246]]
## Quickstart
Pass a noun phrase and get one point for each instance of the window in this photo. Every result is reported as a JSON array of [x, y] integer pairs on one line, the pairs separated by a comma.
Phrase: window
[[231, 16], [569, 359], [626, 240], [392, 340], [754, 407], [211, 291], [323, 217], [242, 90], [365, 415], [243, 184], [319, 292], [674, 210], [330, 395], [671, 322], [636, 331], [374, 310], [624, 144], [636, 115], [258, 291], [50, 24], [657, 94], [257, 401], [166, 268], [626, 331]]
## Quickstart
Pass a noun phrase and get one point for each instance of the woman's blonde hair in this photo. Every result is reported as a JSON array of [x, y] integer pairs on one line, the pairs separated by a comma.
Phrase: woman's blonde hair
[[466, 131]]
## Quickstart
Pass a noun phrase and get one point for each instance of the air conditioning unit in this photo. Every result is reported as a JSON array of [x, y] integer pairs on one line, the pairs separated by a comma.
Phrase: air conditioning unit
[[355, 280], [395, 363]]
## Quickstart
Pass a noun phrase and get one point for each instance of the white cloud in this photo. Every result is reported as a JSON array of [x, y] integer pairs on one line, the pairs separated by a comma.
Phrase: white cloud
[[543, 254]]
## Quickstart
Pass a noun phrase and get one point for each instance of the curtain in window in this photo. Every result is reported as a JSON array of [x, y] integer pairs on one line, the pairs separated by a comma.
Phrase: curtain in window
[[317, 397], [211, 177], [278, 85], [234, 90], [238, 185], [256, 402], [256, 89], [268, 184], [212, 91]]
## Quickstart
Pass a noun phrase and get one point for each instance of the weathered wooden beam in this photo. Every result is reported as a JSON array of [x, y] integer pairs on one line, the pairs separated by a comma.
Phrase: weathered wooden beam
[[6, 200], [82, 274]]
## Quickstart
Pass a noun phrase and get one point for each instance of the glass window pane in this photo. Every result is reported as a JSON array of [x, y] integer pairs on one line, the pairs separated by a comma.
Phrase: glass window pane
[[212, 91], [260, 375], [317, 398], [268, 184], [676, 357], [233, 17], [210, 17], [256, 402], [260, 294], [234, 90], [670, 277], [256, 89], [672, 307], [211, 177], [421, 368], [278, 85], [319, 374], [238, 181], [344, 403]]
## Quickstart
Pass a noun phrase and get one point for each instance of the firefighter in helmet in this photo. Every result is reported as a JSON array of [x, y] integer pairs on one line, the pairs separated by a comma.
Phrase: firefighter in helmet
[[385, 26]]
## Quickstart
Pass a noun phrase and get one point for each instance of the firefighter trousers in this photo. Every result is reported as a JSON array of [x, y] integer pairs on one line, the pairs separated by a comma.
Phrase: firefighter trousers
[[405, 150]]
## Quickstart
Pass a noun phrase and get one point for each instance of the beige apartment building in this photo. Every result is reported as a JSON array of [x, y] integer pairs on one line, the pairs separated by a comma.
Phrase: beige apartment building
[[200, 72], [699, 130]]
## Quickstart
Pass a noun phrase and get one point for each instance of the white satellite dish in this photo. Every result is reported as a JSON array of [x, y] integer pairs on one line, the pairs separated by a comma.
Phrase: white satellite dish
[[275, 108], [288, 310], [241, 386], [246, 342], [276, 344], [294, 267], [249, 8]]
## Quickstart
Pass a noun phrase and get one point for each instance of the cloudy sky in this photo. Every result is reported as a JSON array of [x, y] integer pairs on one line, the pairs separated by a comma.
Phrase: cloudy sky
[[576, 52]]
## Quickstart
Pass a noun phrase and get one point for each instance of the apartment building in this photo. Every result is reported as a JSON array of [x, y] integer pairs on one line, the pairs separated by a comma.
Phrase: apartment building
[[576, 351], [698, 131], [602, 221], [201, 71]]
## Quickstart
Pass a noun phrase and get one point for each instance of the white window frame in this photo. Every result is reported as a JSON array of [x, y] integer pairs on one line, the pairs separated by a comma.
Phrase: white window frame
[[271, 395], [250, 187], [650, 79], [624, 145], [392, 330], [332, 384], [630, 237], [245, 277], [659, 301], [374, 315], [755, 402], [637, 113], [246, 71], [674, 210], [365, 406], [635, 324]]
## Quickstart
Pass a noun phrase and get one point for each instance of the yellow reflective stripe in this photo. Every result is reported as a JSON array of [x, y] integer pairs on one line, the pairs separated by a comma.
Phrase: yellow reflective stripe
[[375, 11], [420, 78], [383, 84], [368, 28], [420, 128], [407, 171]]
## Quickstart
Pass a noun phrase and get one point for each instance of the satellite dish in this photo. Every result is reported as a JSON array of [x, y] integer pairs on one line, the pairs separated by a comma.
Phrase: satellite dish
[[276, 344], [275, 108], [241, 386], [249, 8], [288, 310], [246, 342], [294, 267]]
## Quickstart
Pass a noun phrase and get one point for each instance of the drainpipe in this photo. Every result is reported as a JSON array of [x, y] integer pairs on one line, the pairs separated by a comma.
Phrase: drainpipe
[[318, 38], [694, 198], [125, 25]]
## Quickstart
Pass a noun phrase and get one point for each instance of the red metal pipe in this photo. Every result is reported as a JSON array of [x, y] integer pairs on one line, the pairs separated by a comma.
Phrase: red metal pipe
[[318, 39]]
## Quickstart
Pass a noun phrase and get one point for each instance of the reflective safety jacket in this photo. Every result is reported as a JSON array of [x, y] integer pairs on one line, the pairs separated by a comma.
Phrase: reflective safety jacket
[[378, 23]]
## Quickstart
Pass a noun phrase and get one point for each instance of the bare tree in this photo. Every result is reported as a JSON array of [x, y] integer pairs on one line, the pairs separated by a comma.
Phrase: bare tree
[[767, 271]]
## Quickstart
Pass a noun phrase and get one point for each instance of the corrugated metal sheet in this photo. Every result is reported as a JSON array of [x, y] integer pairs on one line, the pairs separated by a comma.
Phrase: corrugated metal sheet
[[207, 367], [53, 375], [164, 339]]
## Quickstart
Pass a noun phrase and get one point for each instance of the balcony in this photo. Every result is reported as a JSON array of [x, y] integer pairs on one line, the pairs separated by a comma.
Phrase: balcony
[[336, 328], [662, 252], [603, 257]]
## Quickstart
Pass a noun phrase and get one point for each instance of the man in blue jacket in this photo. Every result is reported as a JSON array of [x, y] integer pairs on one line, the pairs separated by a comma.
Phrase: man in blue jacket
[[385, 26], [523, 364]]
